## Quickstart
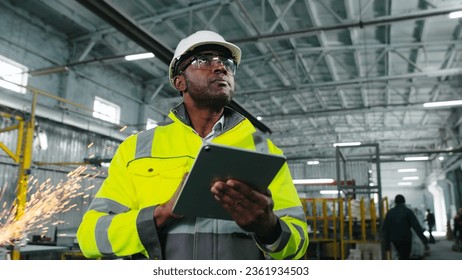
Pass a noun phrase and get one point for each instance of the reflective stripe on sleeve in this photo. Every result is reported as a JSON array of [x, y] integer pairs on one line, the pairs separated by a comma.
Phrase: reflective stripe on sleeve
[[294, 212], [102, 240], [302, 242], [108, 206]]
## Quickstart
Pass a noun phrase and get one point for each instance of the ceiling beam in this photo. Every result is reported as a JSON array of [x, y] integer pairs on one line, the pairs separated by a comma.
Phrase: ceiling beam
[[379, 21], [145, 39], [129, 28], [360, 81]]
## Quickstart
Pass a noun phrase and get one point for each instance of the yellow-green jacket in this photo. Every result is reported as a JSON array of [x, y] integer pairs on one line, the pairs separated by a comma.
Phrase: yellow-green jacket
[[145, 172]]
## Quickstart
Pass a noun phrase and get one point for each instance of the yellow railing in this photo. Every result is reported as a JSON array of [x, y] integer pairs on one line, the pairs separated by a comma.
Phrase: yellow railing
[[323, 223], [332, 221]]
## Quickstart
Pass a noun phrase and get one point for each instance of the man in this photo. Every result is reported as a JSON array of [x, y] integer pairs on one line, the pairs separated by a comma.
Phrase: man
[[430, 219], [132, 212], [397, 227], [458, 230]]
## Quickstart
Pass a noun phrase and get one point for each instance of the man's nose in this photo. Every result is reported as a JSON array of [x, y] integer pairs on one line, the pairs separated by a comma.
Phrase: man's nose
[[217, 64]]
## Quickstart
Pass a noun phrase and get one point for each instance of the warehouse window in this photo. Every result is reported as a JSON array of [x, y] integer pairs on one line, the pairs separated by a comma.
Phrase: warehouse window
[[105, 110], [13, 76]]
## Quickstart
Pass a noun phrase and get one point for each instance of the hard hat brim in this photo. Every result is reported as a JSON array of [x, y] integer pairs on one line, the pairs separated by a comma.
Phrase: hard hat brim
[[235, 52]]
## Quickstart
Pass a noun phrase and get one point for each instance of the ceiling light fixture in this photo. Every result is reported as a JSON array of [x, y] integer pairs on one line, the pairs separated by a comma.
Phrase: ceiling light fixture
[[415, 158], [312, 162], [411, 178], [457, 14], [347, 144], [313, 181], [138, 56], [329, 192], [406, 170], [443, 104], [404, 183]]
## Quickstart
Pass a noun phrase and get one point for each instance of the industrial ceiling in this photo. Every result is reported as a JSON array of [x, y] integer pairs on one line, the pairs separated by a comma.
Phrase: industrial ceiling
[[314, 72]]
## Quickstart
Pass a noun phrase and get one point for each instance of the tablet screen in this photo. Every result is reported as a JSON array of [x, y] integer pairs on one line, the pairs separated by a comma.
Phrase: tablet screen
[[218, 162]]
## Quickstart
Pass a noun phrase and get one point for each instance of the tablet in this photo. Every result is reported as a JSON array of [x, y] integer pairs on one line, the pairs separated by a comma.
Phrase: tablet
[[218, 162]]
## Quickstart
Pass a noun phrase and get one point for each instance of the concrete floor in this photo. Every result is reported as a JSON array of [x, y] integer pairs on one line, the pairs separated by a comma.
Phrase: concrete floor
[[442, 250]]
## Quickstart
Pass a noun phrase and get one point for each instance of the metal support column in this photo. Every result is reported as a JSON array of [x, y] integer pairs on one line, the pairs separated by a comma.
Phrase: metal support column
[[24, 172]]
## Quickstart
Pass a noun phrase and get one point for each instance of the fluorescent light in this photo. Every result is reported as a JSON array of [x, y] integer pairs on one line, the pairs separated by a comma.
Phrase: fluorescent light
[[347, 144], [443, 103], [313, 181], [312, 162], [406, 170], [415, 158], [404, 183], [441, 158], [329, 192], [411, 178], [457, 14], [138, 56]]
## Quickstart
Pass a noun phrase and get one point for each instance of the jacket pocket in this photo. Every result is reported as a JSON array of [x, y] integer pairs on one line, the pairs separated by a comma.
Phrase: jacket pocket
[[156, 179]]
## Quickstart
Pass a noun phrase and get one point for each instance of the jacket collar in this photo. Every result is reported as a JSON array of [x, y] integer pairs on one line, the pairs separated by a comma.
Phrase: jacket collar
[[232, 117]]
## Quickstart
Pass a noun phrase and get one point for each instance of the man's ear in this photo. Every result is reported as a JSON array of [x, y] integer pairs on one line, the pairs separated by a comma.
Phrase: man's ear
[[180, 83]]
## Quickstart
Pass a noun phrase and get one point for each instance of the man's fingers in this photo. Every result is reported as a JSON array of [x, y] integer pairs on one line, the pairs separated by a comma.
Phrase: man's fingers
[[240, 189]]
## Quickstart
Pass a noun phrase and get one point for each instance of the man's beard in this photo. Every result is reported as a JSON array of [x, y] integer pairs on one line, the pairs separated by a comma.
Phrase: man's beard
[[210, 100]]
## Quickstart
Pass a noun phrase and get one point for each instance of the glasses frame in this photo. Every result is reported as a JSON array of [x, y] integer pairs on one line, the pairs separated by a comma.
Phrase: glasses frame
[[221, 58]]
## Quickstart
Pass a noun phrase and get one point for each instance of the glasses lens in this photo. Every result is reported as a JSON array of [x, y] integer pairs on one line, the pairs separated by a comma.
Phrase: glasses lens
[[208, 61]]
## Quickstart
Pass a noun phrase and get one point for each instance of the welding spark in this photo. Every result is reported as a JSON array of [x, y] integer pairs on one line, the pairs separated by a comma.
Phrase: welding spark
[[43, 204]]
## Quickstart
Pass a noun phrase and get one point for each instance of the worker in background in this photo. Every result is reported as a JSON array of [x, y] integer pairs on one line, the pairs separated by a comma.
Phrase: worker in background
[[397, 226], [458, 231], [131, 214], [430, 219]]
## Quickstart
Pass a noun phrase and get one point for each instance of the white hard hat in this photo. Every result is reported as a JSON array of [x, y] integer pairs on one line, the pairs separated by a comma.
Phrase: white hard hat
[[203, 37]]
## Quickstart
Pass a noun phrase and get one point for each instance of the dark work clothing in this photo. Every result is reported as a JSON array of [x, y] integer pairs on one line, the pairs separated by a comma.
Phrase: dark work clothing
[[430, 220], [458, 227], [431, 223], [403, 248], [396, 229]]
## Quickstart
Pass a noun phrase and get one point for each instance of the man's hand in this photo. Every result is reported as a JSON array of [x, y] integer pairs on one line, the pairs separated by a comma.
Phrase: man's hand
[[163, 213], [250, 209]]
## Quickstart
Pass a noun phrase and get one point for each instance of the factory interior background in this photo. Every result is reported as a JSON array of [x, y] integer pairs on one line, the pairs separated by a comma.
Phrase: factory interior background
[[350, 90]]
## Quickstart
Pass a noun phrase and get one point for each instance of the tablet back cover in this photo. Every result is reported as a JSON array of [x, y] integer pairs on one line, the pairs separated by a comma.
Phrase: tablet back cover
[[217, 162]]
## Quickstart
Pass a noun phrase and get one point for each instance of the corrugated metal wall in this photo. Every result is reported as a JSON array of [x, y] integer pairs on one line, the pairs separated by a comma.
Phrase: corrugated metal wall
[[65, 145], [355, 170]]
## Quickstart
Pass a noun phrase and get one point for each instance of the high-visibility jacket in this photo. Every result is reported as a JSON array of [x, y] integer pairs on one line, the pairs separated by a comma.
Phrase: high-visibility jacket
[[145, 172]]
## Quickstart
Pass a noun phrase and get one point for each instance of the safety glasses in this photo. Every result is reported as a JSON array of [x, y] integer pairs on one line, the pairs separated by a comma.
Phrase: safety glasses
[[208, 61]]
